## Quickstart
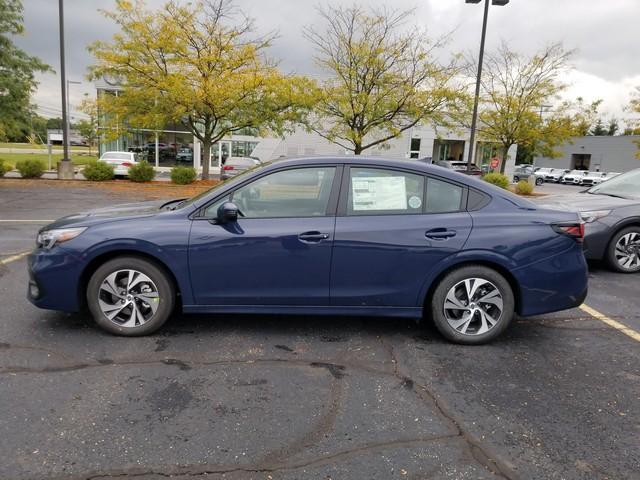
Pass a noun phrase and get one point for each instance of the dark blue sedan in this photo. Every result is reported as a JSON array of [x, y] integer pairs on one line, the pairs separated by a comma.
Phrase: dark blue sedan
[[321, 236]]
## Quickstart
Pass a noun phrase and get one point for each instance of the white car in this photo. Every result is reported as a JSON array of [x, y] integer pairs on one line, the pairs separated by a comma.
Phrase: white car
[[544, 171], [120, 161], [574, 177], [595, 178], [556, 174]]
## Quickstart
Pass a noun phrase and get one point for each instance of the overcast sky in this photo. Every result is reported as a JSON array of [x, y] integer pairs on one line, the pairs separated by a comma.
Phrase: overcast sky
[[604, 33]]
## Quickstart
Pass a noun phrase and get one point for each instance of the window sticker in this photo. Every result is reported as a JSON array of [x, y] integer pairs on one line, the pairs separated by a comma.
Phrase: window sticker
[[415, 202], [379, 193]]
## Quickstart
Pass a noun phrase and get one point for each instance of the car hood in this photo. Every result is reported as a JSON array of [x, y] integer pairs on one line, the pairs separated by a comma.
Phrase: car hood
[[583, 202], [99, 215]]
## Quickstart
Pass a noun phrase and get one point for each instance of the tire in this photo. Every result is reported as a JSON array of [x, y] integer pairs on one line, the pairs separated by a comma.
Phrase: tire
[[516, 179], [112, 304], [450, 322], [539, 181], [624, 247]]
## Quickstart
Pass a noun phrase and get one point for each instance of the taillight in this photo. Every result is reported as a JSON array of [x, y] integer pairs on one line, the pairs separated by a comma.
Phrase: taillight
[[573, 230], [127, 164], [227, 167]]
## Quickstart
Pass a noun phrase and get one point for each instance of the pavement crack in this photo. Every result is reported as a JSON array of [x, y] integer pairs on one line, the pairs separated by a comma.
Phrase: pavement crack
[[274, 467], [490, 461]]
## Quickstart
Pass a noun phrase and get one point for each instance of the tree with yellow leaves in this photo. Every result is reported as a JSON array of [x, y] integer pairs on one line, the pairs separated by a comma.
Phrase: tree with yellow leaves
[[519, 101], [198, 64], [382, 77]]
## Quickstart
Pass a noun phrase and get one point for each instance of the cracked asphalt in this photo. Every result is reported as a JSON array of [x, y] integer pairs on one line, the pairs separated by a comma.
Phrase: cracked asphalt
[[254, 397]]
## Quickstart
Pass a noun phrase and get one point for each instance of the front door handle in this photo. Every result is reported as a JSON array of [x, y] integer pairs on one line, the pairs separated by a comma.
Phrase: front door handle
[[313, 237], [440, 234]]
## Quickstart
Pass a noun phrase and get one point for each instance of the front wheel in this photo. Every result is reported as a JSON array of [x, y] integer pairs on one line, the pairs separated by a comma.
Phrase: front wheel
[[623, 254], [516, 179], [472, 305], [130, 296]]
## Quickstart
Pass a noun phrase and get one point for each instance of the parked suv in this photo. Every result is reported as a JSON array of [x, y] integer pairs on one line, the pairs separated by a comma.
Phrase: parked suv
[[524, 172]]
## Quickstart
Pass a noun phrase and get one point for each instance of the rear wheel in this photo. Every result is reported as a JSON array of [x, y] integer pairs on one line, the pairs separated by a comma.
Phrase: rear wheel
[[516, 179], [623, 254], [472, 305], [130, 296], [539, 181]]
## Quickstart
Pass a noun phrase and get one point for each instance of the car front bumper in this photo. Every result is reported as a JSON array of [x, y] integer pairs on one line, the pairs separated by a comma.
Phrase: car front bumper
[[54, 279]]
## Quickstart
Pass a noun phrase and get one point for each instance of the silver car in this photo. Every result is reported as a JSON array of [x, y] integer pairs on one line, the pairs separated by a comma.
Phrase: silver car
[[120, 161], [236, 165], [524, 172]]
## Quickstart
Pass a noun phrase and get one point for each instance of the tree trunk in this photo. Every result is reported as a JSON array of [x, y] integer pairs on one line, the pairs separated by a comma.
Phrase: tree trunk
[[206, 156], [357, 149], [503, 164]]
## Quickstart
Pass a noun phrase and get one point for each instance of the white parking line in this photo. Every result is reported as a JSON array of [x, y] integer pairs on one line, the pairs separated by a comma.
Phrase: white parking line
[[611, 322], [13, 258]]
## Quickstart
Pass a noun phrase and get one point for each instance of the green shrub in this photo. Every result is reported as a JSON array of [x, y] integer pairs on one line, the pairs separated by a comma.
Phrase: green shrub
[[141, 172], [183, 175], [524, 188], [30, 168], [4, 168], [98, 171], [497, 179]]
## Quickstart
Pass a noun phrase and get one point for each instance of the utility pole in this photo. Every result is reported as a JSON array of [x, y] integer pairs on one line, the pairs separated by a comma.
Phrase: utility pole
[[65, 167]]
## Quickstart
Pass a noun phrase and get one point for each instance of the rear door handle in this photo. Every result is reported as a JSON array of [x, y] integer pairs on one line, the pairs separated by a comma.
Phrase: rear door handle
[[313, 237], [440, 234]]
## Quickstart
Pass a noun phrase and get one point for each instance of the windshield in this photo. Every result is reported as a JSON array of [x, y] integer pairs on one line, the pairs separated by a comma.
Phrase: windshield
[[626, 185], [576, 172], [223, 183]]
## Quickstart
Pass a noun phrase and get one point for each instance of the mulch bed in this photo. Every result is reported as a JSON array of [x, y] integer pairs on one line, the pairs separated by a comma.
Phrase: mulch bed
[[151, 190]]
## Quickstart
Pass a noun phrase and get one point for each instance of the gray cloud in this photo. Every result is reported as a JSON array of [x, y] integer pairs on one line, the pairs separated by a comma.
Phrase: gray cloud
[[604, 35]]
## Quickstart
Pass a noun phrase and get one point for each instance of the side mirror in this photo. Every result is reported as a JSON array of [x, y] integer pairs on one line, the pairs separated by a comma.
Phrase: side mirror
[[227, 212]]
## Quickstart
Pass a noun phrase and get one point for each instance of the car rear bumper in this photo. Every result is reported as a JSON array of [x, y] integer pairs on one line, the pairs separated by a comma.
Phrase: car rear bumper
[[53, 279], [555, 283]]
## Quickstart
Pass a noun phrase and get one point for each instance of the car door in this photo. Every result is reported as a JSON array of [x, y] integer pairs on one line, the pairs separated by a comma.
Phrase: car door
[[392, 228], [279, 252]]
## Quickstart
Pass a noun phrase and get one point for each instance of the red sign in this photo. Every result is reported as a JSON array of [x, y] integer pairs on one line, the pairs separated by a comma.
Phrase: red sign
[[495, 162]]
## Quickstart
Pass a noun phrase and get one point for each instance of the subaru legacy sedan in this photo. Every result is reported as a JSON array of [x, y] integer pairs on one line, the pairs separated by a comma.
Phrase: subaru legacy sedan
[[319, 236]]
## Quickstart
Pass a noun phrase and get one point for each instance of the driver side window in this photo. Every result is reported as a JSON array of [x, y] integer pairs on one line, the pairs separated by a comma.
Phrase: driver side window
[[301, 192]]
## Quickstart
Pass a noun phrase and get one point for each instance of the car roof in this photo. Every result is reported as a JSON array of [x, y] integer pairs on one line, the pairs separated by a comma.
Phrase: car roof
[[420, 167]]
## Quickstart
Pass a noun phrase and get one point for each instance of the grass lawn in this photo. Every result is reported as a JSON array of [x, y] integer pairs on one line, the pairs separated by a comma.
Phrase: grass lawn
[[12, 158]]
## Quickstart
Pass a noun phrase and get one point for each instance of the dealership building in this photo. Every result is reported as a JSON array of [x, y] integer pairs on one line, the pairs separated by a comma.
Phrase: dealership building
[[161, 147], [602, 153]]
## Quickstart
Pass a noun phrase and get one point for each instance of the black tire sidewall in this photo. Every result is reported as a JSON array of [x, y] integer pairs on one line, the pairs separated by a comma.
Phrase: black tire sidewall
[[166, 292], [539, 181], [611, 249], [452, 278], [516, 179]]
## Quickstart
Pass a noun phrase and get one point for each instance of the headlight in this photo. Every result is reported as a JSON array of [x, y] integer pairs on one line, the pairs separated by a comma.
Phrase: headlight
[[49, 238], [589, 217]]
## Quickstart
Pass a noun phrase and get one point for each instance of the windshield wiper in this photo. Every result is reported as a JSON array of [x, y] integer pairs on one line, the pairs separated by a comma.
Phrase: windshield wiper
[[166, 204]]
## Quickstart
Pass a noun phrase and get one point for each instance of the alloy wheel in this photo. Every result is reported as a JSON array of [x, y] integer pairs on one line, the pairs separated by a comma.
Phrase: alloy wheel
[[627, 251], [128, 298], [473, 306]]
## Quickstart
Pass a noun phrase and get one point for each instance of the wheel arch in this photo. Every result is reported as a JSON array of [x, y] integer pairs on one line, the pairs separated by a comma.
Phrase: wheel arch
[[100, 259], [501, 269]]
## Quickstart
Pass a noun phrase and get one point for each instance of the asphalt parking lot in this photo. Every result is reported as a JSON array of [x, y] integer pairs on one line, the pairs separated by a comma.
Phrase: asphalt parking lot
[[239, 397]]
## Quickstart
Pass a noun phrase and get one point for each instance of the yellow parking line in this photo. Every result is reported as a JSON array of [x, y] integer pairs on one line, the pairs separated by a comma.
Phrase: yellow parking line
[[611, 322], [13, 258]]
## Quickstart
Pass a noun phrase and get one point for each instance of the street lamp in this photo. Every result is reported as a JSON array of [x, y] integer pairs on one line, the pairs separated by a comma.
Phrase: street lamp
[[474, 119], [65, 168], [68, 116]]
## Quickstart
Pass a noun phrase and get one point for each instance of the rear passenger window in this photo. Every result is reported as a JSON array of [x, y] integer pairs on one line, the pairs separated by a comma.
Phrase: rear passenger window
[[374, 191], [443, 196]]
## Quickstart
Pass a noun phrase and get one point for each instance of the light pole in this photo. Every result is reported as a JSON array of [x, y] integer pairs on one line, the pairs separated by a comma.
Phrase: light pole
[[474, 118], [65, 168], [68, 119]]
